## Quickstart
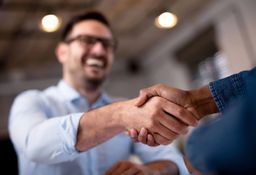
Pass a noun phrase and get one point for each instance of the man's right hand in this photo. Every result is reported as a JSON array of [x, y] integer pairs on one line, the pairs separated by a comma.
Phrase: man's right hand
[[199, 102], [164, 120]]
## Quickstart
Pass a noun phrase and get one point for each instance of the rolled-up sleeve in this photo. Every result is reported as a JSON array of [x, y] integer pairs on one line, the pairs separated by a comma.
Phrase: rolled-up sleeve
[[38, 136]]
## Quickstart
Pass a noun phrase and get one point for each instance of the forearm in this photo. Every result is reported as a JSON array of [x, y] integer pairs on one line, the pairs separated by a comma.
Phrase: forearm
[[99, 125], [162, 167]]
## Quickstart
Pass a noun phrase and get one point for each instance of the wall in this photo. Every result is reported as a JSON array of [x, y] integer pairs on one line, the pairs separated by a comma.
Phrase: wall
[[235, 36]]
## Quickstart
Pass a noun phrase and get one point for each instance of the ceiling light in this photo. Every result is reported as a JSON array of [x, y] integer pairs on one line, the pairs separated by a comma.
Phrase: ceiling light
[[166, 20], [50, 23]]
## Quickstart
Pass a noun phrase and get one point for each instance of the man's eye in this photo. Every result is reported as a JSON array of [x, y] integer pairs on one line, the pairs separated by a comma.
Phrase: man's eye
[[91, 40], [86, 40]]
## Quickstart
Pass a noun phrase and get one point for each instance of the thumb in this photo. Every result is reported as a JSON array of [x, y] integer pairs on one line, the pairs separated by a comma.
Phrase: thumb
[[143, 97]]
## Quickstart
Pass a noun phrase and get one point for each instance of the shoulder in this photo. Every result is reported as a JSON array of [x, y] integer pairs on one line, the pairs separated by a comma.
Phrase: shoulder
[[34, 95], [27, 99], [29, 94]]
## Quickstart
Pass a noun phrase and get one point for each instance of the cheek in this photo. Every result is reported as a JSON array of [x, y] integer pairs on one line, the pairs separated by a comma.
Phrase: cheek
[[110, 60], [76, 56], [110, 64]]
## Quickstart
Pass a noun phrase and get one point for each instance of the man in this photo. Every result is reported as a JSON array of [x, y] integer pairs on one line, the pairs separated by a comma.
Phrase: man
[[225, 145], [65, 130]]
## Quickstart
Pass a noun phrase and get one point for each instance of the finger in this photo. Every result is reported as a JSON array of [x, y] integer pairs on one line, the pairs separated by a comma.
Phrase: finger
[[165, 132], [134, 135], [145, 94], [161, 140], [131, 171], [151, 141], [181, 113], [143, 136], [123, 166], [173, 124], [112, 170]]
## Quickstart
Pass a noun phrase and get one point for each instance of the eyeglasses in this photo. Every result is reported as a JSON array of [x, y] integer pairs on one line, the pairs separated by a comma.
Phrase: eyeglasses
[[89, 40]]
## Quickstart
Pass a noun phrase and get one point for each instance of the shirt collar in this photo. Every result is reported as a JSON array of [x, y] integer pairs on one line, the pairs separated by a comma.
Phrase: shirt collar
[[72, 95]]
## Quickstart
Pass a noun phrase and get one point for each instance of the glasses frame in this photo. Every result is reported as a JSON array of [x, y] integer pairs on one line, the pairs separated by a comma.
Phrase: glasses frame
[[90, 40]]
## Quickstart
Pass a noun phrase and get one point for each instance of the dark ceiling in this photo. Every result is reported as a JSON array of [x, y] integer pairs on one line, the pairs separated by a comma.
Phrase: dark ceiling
[[26, 52]]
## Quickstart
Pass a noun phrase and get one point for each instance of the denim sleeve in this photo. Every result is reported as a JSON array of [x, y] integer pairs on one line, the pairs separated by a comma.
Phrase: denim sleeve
[[227, 143], [226, 90]]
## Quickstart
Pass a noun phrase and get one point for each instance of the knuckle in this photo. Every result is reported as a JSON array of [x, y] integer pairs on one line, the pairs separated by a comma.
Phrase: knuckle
[[177, 128], [172, 136], [157, 102], [142, 91], [159, 85], [181, 112]]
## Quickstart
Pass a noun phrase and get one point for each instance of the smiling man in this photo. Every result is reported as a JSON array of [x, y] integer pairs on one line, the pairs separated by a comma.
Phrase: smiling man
[[72, 127]]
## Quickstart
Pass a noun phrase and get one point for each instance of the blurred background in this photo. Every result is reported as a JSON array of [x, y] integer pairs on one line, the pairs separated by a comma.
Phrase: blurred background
[[204, 40]]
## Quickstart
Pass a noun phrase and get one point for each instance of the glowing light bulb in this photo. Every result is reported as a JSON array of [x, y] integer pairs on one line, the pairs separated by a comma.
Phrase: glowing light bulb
[[166, 20], [50, 23]]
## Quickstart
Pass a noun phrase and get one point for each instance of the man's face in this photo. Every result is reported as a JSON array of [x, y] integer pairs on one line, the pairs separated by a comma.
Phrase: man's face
[[89, 54]]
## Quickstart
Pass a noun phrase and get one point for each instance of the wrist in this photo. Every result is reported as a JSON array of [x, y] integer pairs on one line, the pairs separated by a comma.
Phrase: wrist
[[122, 112], [203, 101]]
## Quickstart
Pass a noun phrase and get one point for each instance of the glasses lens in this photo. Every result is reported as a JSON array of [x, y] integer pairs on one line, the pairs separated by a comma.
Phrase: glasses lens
[[88, 40]]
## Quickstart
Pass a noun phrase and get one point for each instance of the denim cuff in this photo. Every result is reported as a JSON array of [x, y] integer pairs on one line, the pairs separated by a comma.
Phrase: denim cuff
[[228, 89]]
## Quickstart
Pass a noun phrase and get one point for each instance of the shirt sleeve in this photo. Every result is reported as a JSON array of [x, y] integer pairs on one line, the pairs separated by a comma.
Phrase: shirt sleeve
[[230, 88], [227, 144], [162, 152], [39, 137]]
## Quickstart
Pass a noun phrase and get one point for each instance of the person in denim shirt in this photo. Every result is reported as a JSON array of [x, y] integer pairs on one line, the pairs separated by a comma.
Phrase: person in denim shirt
[[225, 145]]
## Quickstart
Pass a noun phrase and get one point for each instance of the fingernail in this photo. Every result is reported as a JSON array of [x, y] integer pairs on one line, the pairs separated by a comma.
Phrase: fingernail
[[133, 134], [143, 132]]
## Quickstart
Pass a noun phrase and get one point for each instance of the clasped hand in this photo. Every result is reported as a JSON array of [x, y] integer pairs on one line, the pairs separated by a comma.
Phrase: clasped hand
[[178, 113]]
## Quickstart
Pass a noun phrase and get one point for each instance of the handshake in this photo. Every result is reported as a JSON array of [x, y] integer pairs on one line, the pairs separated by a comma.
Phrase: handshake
[[163, 113], [157, 117]]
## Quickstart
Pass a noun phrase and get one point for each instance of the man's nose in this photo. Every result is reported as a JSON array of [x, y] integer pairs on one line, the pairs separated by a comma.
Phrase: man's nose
[[98, 47]]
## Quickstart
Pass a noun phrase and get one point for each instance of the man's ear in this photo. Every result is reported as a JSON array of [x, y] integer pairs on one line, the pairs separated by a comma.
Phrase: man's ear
[[61, 52]]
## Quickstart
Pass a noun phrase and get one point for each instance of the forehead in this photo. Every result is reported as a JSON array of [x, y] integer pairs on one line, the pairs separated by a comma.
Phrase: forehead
[[91, 27]]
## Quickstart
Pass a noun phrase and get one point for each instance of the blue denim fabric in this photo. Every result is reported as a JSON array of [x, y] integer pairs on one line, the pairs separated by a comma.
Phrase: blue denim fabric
[[227, 144], [226, 90]]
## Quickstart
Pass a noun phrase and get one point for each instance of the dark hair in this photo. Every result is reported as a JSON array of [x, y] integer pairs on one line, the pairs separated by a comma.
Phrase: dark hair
[[95, 15]]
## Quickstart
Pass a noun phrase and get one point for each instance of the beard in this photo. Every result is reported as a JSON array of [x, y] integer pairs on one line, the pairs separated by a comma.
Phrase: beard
[[82, 80], [91, 84]]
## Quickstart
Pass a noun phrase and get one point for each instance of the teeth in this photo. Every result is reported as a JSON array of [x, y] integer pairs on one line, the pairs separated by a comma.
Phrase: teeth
[[94, 62]]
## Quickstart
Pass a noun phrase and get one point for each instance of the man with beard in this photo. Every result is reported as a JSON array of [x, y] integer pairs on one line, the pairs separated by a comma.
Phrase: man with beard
[[72, 128]]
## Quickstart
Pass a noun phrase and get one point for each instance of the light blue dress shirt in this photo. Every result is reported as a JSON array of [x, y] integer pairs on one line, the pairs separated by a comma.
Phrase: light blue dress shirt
[[43, 128]]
